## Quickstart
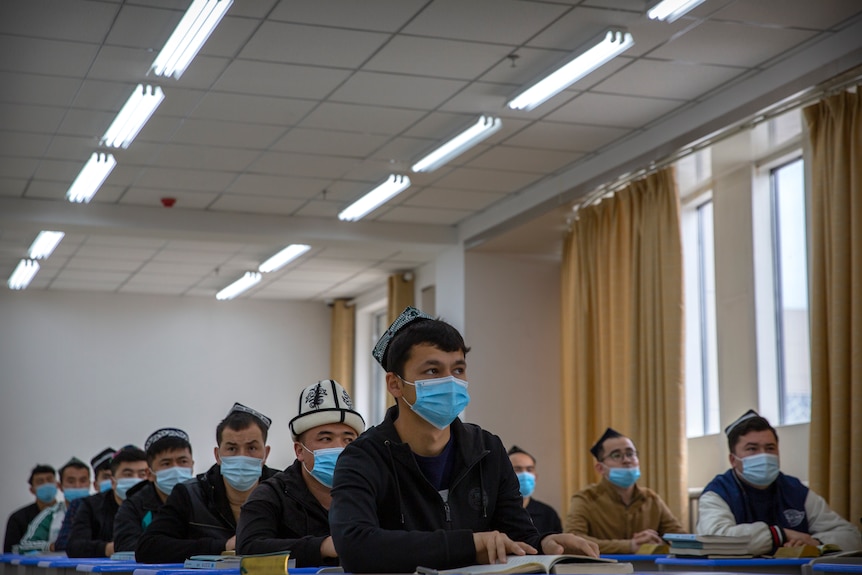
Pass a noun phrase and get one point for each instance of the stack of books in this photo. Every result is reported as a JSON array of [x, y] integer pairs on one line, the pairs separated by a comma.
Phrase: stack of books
[[707, 546]]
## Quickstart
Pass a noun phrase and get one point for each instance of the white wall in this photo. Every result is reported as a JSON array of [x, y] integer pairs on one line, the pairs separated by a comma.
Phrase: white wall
[[84, 371], [513, 326]]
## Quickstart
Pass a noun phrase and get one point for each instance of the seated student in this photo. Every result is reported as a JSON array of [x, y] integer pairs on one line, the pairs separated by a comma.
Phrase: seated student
[[169, 461], [544, 516], [43, 486], [200, 515], [289, 512], [92, 532], [101, 464], [616, 513], [754, 499], [423, 488], [43, 529]]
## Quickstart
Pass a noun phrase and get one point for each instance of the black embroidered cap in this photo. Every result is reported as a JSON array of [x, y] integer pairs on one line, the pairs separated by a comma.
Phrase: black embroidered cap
[[747, 415], [410, 314], [103, 459], [163, 433], [245, 409], [325, 402], [609, 433]]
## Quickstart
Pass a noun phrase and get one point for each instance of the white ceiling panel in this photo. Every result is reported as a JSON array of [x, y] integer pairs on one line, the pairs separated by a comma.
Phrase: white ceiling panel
[[356, 118], [256, 204], [439, 58], [76, 20], [280, 80], [567, 137], [399, 91], [380, 15], [613, 110], [672, 80]]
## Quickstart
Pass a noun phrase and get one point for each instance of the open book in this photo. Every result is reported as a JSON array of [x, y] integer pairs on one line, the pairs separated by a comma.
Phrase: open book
[[540, 564], [212, 562]]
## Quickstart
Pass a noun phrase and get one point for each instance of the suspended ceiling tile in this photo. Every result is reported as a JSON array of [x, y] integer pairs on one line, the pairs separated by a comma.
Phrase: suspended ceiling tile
[[614, 110], [256, 204], [339, 143], [367, 119], [671, 80], [280, 80], [567, 137], [436, 57], [396, 90]]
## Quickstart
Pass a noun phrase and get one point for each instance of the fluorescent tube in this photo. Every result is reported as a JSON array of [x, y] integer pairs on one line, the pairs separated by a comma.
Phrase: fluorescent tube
[[670, 10], [91, 178], [132, 117], [190, 34], [382, 193], [239, 286], [486, 126], [23, 274], [283, 257], [45, 244]]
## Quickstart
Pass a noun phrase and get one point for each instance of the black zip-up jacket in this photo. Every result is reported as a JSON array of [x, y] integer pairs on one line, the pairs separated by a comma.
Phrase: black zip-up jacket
[[283, 515], [386, 516], [93, 525], [136, 513], [17, 525], [195, 520]]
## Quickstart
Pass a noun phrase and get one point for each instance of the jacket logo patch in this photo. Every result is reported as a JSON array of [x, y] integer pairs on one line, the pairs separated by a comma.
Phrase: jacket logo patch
[[478, 499], [794, 517]]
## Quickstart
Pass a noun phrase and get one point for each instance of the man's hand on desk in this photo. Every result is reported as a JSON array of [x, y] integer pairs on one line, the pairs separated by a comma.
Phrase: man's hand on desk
[[559, 543], [797, 538], [493, 546], [645, 536], [327, 548]]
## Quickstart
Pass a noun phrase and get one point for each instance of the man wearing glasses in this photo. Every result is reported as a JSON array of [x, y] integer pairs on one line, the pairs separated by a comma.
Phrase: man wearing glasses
[[615, 512]]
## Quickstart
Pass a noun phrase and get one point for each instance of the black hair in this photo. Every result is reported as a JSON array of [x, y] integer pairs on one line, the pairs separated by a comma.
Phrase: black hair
[[41, 468], [127, 454], [239, 420], [435, 332], [515, 449], [169, 443], [756, 423], [74, 464]]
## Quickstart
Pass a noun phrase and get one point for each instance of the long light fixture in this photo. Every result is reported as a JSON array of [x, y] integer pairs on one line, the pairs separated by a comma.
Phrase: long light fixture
[[190, 34], [91, 178], [23, 274], [239, 286], [394, 185], [45, 244], [486, 126], [670, 10], [283, 257], [132, 117], [600, 51]]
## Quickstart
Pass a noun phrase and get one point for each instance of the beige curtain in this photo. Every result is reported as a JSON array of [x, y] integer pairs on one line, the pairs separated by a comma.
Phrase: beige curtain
[[342, 346], [835, 448], [399, 295], [622, 335]]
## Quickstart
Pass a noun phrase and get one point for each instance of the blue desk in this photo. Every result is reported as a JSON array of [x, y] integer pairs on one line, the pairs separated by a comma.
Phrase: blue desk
[[640, 563], [129, 567], [837, 567], [783, 566], [156, 570]]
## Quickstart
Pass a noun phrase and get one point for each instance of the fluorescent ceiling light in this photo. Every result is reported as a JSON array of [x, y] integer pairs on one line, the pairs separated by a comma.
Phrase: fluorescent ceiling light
[[382, 193], [91, 177], [23, 274], [190, 34], [239, 286], [600, 51], [283, 257], [486, 126], [132, 117], [670, 10], [44, 244]]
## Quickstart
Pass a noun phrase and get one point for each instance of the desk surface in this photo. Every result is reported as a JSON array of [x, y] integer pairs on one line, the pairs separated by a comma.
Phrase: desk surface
[[757, 562], [128, 567], [837, 567]]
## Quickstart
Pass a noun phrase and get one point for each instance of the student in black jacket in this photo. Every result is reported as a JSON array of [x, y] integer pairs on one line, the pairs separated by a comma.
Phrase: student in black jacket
[[92, 532], [423, 488], [43, 486], [200, 515], [288, 512], [169, 460]]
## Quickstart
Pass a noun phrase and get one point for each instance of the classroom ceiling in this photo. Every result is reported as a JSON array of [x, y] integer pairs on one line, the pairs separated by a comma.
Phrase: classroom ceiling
[[295, 108]]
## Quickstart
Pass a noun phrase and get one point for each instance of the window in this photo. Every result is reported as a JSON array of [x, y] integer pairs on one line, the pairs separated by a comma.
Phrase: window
[[702, 414], [783, 339]]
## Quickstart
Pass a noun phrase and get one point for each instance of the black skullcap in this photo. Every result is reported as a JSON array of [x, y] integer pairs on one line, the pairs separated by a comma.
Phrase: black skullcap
[[609, 433], [244, 409], [747, 415], [103, 459], [163, 433], [410, 314]]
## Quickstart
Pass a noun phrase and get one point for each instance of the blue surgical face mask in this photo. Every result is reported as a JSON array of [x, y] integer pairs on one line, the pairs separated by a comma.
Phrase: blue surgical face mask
[[124, 484], [527, 483], [105, 485], [240, 471], [324, 464], [624, 476], [760, 469], [47, 492], [73, 493], [166, 479], [439, 400]]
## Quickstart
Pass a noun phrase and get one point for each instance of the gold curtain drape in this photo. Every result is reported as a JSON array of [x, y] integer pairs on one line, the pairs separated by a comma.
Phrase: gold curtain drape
[[835, 448], [398, 296], [622, 335], [343, 327]]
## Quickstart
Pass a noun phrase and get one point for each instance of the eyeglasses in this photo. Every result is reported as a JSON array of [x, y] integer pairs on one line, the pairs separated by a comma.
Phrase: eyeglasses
[[617, 456]]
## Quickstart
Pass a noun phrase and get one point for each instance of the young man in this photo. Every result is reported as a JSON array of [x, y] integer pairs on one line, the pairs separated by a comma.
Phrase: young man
[[753, 498], [92, 532], [423, 488], [289, 512], [544, 516], [101, 464], [43, 530], [169, 461], [43, 486], [200, 516], [616, 513]]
